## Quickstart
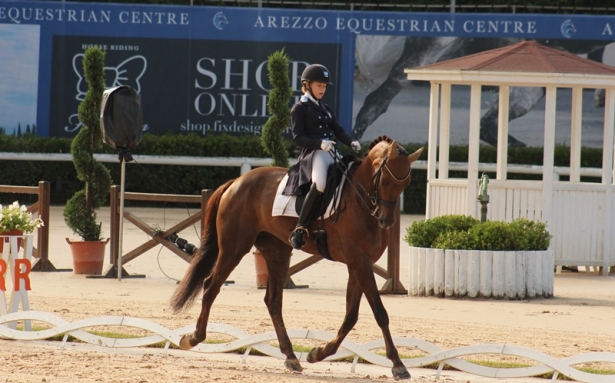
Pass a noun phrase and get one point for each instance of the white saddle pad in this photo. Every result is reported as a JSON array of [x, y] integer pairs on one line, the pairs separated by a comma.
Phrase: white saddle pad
[[284, 205]]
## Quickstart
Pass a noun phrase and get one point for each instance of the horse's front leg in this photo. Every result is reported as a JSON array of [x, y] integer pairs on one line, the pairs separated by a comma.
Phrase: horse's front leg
[[278, 270], [353, 301], [365, 277]]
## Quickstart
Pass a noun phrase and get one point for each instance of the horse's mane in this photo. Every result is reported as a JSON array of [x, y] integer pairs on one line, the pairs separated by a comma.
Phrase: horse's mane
[[376, 141]]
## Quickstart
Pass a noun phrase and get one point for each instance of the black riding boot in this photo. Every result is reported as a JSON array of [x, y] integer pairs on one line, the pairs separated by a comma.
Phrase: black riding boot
[[296, 237]]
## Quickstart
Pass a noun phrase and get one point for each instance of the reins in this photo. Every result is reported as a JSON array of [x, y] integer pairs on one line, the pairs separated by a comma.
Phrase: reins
[[373, 197]]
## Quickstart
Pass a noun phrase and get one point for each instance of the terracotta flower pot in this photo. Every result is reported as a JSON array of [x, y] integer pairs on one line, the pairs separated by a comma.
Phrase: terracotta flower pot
[[88, 256], [4, 240], [261, 270]]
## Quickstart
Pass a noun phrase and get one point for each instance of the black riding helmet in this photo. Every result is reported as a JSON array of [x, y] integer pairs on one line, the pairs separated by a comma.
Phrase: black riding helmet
[[316, 72]]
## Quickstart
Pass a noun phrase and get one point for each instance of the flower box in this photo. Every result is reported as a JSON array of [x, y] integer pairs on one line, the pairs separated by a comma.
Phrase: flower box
[[480, 274]]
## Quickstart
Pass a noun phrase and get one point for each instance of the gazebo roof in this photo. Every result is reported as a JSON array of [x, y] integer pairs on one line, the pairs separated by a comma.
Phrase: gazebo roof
[[525, 63]]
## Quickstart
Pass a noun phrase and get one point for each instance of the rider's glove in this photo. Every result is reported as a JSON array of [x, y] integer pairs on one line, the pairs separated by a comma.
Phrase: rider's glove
[[327, 145], [356, 146]]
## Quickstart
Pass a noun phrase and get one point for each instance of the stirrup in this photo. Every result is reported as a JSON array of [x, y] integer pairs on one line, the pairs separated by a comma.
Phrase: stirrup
[[297, 242]]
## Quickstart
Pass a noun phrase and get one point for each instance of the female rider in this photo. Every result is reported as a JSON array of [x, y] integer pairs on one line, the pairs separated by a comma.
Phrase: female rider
[[315, 129]]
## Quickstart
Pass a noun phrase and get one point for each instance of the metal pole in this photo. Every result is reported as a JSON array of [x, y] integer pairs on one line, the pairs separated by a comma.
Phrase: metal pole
[[121, 234], [453, 6]]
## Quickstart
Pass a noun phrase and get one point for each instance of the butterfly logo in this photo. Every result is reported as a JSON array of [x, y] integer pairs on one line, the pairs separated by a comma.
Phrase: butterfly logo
[[128, 72]]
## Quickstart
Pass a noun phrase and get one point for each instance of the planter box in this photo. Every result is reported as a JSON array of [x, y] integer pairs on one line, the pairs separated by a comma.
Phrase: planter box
[[480, 274]]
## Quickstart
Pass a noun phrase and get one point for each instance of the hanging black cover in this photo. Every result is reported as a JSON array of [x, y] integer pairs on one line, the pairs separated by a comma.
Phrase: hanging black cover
[[121, 120]]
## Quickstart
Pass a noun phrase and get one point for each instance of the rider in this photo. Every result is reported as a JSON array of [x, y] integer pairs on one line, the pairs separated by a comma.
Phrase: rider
[[315, 129]]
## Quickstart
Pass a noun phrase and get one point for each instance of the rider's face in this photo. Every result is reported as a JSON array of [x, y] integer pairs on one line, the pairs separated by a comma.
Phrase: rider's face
[[318, 89]]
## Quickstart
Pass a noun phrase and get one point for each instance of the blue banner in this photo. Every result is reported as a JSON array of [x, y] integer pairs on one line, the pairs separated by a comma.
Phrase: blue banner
[[203, 69]]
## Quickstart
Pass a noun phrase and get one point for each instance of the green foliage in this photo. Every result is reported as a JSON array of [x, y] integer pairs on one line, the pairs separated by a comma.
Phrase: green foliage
[[425, 233], [279, 97], [535, 232], [468, 233], [79, 213]]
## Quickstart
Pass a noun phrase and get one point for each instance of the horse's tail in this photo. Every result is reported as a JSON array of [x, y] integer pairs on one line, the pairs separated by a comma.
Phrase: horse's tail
[[204, 260]]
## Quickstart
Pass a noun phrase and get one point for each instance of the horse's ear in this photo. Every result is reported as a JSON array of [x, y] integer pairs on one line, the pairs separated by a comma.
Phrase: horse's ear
[[393, 150], [414, 156]]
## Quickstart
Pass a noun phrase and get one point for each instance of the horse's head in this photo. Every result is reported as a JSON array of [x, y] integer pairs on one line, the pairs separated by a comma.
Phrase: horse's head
[[390, 176]]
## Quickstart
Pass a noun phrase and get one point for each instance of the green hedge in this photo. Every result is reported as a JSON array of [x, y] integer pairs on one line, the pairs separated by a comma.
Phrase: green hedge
[[178, 179], [467, 233]]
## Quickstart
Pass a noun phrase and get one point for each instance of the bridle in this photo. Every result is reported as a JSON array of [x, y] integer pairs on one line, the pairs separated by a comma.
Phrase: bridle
[[373, 196]]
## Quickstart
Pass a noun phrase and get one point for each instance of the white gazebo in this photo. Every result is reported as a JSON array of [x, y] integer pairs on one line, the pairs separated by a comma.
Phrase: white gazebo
[[580, 215]]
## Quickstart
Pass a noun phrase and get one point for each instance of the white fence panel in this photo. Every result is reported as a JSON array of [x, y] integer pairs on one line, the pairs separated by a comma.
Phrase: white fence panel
[[577, 225]]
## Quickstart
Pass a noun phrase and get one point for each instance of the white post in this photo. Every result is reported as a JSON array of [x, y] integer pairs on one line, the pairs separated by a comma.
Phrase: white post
[[503, 110], [430, 267], [449, 272], [437, 273], [576, 124], [498, 289], [461, 278], [510, 275], [445, 130], [548, 156], [434, 109], [473, 273], [473, 149], [486, 274], [608, 177], [530, 273]]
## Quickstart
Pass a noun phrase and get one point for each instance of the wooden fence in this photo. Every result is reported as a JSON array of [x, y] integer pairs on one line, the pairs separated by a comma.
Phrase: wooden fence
[[392, 283], [41, 251]]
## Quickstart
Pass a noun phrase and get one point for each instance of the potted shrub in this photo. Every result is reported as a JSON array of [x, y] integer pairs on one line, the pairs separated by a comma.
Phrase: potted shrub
[[459, 256], [80, 210], [16, 220]]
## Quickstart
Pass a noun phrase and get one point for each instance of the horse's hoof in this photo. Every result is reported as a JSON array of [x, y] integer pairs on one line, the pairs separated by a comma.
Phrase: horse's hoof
[[400, 373], [293, 365], [184, 343], [313, 355]]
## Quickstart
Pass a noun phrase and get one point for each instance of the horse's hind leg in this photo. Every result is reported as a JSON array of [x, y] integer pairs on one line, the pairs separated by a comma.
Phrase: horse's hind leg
[[228, 259], [277, 255], [353, 301]]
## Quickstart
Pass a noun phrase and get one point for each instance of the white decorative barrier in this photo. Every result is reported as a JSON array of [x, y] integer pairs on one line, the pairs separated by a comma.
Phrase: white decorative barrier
[[15, 265], [347, 349], [486, 274]]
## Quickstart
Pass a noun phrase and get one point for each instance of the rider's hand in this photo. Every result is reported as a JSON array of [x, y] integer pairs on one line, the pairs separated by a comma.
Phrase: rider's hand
[[327, 145], [356, 146]]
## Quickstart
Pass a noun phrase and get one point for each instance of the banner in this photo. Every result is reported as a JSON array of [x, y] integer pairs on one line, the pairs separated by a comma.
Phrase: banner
[[203, 69]]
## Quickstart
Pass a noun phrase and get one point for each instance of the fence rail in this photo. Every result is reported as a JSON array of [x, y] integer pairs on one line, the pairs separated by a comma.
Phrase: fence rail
[[246, 163]]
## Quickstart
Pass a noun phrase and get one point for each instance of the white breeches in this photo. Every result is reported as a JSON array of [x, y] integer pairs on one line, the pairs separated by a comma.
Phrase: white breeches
[[320, 164]]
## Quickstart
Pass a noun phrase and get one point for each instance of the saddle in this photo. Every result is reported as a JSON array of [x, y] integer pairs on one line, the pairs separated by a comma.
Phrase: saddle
[[327, 206], [334, 179]]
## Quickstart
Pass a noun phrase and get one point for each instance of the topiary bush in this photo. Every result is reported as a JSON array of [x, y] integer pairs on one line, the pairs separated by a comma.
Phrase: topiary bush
[[468, 233], [80, 209], [279, 98]]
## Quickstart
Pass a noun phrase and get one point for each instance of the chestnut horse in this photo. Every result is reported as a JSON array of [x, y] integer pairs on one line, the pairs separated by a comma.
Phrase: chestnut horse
[[239, 216]]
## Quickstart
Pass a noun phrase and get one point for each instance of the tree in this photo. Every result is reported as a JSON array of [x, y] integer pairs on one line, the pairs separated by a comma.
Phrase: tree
[[79, 213], [279, 97]]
